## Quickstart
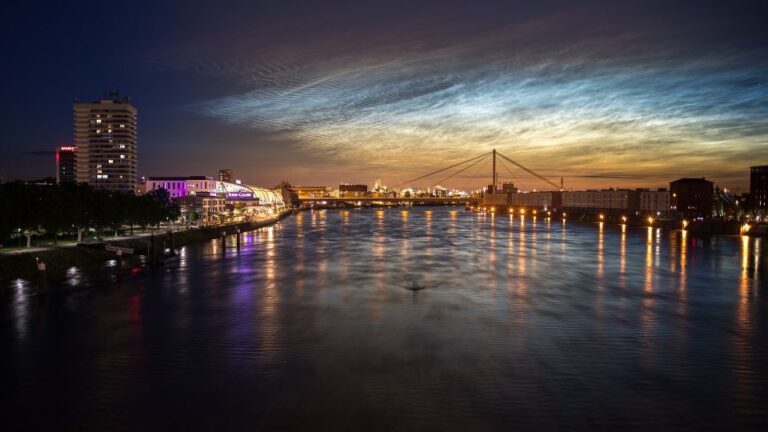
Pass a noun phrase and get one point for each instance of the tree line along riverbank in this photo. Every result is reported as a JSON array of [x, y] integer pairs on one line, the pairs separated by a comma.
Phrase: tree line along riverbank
[[75, 211], [94, 258]]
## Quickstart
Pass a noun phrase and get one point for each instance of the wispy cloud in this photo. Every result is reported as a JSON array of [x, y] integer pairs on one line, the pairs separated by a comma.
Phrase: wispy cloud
[[624, 106]]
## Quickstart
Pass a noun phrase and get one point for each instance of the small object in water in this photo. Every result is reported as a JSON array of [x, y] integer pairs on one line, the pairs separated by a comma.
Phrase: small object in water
[[414, 286]]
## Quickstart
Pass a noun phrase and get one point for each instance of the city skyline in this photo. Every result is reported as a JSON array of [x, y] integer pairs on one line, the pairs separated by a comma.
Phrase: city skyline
[[635, 95]]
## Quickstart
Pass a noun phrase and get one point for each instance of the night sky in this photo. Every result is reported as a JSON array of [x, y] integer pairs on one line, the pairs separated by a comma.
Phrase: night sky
[[613, 93]]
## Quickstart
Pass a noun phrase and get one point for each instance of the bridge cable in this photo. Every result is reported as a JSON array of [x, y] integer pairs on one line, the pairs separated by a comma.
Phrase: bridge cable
[[511, 173], [440, 170], [530, 171], [461, 170], [464, 187]]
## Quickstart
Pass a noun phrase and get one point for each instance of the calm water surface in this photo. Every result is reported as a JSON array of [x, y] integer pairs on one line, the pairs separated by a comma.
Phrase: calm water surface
[[523, 323]]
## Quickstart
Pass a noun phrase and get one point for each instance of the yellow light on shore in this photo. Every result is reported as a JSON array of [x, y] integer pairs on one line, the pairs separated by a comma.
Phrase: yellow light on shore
[[602, 217], [534, 211], [564, 215], [493, 209], [624, 219], [745, 228], [685, 223], [650, 220], [522, 210]]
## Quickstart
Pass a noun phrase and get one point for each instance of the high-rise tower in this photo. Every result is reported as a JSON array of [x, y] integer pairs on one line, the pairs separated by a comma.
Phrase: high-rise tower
[[105, 136]]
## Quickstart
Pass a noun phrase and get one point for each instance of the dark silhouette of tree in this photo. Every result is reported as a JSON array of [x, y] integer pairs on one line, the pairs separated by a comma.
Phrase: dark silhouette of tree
[[27, 210]]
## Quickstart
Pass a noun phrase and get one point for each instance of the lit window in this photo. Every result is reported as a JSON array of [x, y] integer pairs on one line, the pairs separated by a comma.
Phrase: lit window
[[122, 156], [98, 120], [122, 146], [111, 161]]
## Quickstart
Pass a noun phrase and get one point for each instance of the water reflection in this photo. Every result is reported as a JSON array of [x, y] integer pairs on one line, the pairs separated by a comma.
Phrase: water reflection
[[522, 315]]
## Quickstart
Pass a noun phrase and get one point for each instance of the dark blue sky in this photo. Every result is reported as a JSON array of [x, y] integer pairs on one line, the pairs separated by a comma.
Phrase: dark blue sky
[[602, 93]]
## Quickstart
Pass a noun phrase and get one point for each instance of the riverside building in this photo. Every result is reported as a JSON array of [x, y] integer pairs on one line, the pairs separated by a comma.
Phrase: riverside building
[[692, 197], [105, 136], [758, 187]]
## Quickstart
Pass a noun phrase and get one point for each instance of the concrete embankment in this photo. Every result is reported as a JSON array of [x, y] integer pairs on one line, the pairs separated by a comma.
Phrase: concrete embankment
[[95, 259]]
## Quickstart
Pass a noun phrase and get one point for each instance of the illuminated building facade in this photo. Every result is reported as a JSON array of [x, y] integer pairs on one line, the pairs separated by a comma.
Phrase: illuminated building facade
[[202, 209], [211, 200], [311, 191], [106, 140], [182, 186], [66, 164], [692, 197], [758, 187]]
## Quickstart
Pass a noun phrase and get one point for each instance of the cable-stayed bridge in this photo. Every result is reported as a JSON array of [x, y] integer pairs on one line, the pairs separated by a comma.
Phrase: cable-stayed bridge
[[440, 176]]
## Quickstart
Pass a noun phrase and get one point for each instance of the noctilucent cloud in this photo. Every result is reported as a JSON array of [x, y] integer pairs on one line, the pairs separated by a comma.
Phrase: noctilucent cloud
[[629, 95]]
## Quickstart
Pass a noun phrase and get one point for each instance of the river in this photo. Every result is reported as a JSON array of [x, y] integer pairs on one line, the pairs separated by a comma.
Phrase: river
[[403, 319]]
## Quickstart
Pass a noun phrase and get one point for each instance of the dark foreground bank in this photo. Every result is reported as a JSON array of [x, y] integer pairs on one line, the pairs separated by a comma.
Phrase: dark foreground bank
[[98, 261]]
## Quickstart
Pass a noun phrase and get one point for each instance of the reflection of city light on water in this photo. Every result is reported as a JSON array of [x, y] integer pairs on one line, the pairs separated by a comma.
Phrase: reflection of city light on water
[[21, 307], [683, 261], [74, 276], [623, 251], [600, 238]]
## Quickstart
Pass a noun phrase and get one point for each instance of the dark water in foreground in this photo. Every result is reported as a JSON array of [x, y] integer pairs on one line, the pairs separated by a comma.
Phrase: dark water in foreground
[[523, 324]]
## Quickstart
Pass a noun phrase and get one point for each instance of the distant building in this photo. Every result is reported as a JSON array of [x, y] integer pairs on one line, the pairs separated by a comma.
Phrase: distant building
[[508, 188], [758, 187], [203, 209], [440, 191], [656, 202], [353, 190], [45, 181], [604, 200], [531, 200], [66, 164], [692, 197], [226, 175], [182, 186], [106, 140], [205, 197], [304, 192]]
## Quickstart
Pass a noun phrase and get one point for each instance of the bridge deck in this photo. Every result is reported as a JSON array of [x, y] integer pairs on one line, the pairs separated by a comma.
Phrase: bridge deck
[[434, 200]]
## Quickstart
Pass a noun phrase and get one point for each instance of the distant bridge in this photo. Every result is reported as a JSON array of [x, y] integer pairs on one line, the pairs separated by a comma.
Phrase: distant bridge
[[390, 200], [453, 171]]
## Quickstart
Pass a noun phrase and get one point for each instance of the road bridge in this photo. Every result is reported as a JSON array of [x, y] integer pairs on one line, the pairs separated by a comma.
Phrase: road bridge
[[452, 171], [398, 200]]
